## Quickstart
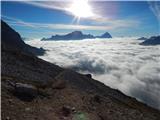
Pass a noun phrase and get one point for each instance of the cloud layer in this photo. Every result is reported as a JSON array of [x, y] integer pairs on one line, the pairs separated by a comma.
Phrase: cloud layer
[[119, 63]]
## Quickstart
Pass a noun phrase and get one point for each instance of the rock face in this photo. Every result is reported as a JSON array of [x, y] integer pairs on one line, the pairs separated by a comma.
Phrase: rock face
[[154, 40], [12, 41], [62, 93], [76, 35]]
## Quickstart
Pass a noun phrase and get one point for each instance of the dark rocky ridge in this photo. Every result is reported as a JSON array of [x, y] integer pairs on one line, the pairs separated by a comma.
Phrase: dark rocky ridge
[[12, 41], [61, 93], [76, 35], [142, 38], [154, 40]]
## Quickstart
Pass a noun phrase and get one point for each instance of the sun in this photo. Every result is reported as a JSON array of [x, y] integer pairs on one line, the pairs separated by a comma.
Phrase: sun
[[80, 9]]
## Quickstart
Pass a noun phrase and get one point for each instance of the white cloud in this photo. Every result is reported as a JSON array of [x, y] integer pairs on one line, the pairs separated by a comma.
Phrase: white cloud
[[55, 5], [111, 25], [121, 64], [155, 7], [15, 21]]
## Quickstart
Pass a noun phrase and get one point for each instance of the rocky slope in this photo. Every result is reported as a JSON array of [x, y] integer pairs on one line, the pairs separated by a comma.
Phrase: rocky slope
[[33, 89], [12, 41]]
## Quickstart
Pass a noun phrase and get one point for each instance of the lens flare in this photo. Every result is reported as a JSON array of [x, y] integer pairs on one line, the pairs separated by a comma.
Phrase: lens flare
[[80, 8]]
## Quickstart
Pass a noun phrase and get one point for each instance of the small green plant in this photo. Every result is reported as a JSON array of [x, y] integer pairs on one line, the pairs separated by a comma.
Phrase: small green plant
[[80, 116]]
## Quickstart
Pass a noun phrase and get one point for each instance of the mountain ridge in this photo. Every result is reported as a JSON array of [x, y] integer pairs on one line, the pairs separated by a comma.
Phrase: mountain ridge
[[76, 35], [154, 40], [11, 40]]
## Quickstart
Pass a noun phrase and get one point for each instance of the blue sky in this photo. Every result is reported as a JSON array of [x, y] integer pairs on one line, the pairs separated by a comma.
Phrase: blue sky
[[43, 19]]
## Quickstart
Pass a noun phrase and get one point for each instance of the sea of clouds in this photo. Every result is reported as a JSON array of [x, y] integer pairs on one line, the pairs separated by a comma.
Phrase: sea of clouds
[[120, 63]]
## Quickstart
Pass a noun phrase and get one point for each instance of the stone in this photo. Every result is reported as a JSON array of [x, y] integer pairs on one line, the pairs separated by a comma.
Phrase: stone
[[97, 99], [66, 111], [25, 91], [88, 75], [27, 109], [8, 118]]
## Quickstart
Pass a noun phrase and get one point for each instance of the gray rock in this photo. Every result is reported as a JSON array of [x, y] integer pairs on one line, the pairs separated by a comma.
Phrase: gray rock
[[27, 109], [66, 111], [8, 118], [88, 75], [25, 91]]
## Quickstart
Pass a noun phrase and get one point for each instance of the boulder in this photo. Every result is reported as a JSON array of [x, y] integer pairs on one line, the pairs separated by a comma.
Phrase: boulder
[[25, 91], [12, 41], [88, 75]]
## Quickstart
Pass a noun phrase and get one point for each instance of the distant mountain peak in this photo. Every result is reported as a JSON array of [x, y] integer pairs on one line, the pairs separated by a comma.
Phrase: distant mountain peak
[[142, 38], [105, 35], [154, 40], [77, 32], [76, 35]]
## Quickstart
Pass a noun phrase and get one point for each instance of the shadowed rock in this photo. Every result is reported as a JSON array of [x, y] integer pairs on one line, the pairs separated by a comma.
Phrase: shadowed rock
[[25, 92], [154, 40], [88, 75], [12, 41]]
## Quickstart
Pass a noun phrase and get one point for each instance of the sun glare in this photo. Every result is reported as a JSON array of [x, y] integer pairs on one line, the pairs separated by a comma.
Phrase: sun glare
[[80, 8]]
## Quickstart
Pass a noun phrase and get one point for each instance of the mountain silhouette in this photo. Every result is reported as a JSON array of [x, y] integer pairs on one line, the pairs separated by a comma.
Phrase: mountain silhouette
[[142, 38], [11, 40], [105, 35], [76, 35], [154, 40]]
